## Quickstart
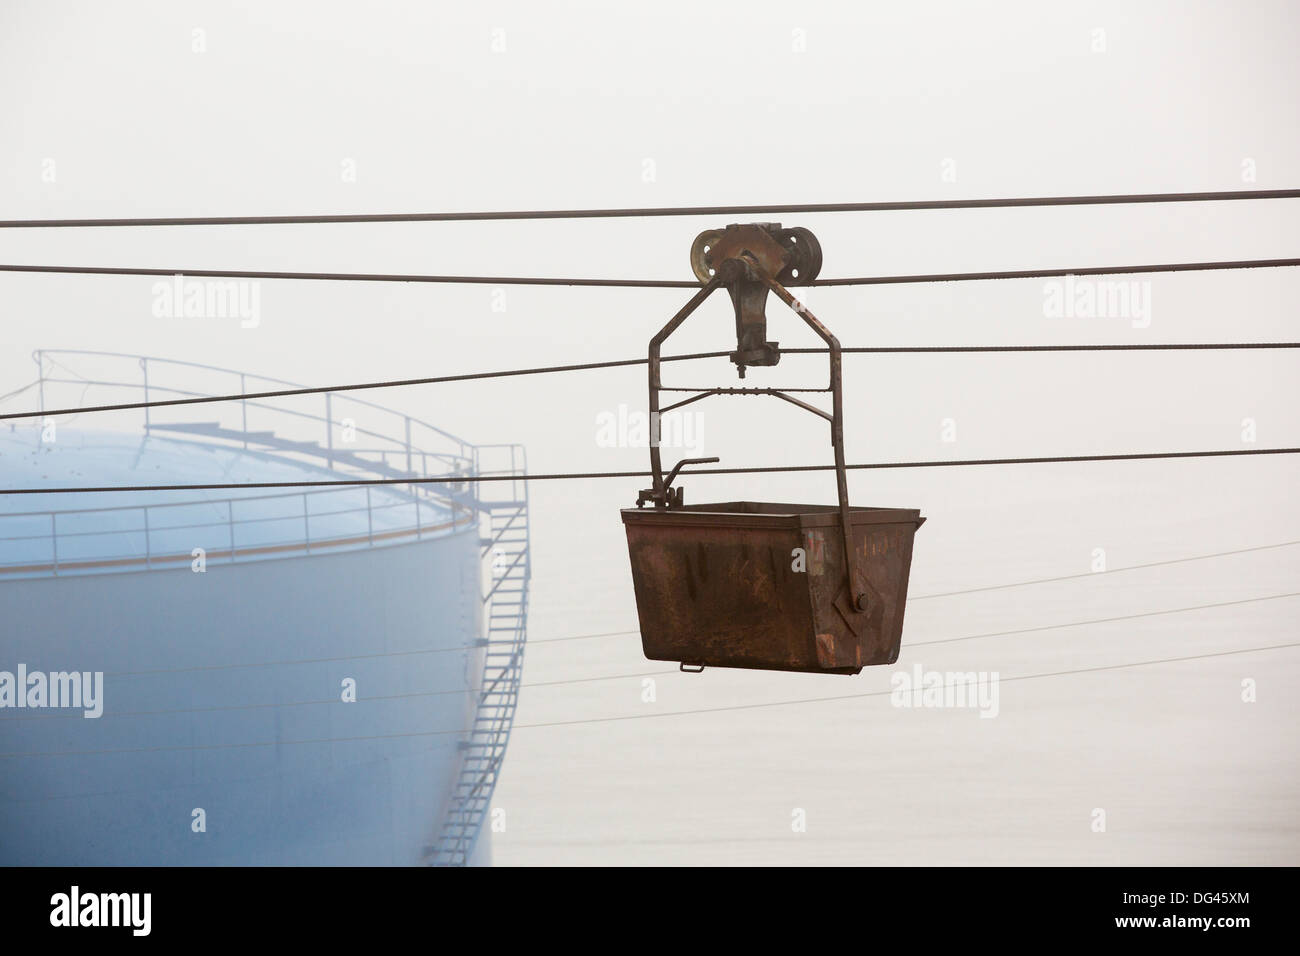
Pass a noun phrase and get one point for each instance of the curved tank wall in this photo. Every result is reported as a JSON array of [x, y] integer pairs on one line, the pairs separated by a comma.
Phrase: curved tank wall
[[225, 735]]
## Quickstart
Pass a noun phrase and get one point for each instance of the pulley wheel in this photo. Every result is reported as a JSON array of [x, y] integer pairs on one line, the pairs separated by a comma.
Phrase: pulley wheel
[[805, 256], [701, 254]]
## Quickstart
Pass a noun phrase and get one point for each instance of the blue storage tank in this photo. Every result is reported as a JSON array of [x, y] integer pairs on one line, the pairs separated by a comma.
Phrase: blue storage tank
[[311, 675]]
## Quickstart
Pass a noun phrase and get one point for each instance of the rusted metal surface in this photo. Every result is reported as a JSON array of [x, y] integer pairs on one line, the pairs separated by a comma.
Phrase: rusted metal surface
[[710, 584], [747, 584]]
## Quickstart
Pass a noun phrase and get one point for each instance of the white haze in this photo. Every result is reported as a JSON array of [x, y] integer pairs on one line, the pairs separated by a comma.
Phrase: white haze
[[715, 96]]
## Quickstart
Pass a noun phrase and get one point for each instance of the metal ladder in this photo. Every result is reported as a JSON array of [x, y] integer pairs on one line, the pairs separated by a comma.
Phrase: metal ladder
[[484, 746]]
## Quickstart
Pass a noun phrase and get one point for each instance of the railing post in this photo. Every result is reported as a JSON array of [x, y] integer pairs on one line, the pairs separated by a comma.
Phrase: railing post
[[40, 378], [474, 470], [144, 368], [408, 443], [329, 430]]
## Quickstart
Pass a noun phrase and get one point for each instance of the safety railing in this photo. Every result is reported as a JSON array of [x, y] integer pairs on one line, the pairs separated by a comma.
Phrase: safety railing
[[339, 432], [403, 437], [226, 530]]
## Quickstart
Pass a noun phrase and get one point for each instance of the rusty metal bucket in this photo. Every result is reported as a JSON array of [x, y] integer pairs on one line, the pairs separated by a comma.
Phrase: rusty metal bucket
[[753, 584], [746, 584]]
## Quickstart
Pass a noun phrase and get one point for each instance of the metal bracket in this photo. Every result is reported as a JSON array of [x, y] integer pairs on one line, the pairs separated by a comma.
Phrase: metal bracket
[[793, 256]]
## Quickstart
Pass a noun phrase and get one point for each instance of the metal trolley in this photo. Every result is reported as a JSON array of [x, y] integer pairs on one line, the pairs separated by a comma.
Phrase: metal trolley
[[818, 588]]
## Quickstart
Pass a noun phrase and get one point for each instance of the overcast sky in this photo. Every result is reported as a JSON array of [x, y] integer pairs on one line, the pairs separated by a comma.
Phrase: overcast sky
[[192, 109]]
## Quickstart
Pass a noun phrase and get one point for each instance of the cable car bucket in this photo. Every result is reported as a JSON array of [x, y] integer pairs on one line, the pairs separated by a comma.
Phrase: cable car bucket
[[818, 588]]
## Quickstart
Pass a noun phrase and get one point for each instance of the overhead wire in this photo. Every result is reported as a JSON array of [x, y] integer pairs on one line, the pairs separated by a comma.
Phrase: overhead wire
[[1106, 620], [663, 211], [620, 363], [1027, 630], [1098, 574], [574, 476], [886, 693], [578, 637], [651, 283], [361, 386]]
